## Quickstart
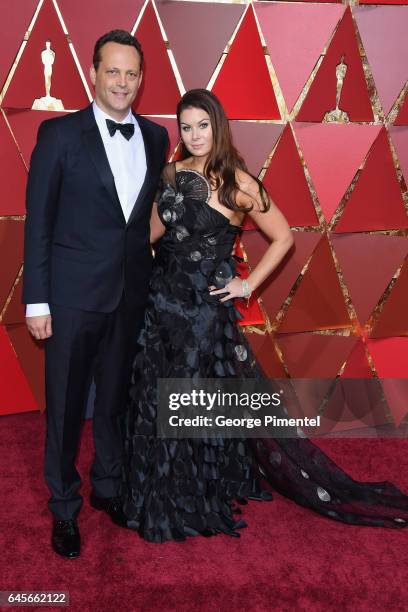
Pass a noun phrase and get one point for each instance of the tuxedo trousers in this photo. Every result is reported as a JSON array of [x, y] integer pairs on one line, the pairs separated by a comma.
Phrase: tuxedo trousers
[[86, 345]]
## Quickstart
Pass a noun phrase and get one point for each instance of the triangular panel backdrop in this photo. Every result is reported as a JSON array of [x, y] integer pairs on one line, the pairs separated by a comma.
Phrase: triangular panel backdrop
[[317, 97]]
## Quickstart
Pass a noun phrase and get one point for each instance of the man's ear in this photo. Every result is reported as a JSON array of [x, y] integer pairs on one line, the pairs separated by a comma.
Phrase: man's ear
[[92, 74]]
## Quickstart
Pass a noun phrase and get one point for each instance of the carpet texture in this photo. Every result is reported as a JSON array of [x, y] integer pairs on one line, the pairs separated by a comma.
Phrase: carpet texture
[[287, 559]]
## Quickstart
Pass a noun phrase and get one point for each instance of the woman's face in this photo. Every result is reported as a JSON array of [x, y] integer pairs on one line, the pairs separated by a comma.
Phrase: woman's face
[[196, 131]]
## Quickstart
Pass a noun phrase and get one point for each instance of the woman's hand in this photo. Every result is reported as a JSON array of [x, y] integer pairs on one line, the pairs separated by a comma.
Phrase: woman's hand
[[233, 289]]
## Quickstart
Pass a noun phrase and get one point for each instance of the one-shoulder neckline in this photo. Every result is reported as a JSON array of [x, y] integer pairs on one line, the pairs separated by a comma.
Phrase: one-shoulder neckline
[[201, 175]]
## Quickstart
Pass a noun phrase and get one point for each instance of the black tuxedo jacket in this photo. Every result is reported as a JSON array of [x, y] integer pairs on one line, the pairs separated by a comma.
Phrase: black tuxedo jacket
[[79, 251]]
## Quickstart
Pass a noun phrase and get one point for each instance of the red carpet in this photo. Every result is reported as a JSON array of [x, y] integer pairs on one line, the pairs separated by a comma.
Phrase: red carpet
[[287, 559]]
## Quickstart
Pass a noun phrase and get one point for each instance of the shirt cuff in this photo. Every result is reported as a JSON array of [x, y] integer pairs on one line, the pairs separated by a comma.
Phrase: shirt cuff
[[37, 310]]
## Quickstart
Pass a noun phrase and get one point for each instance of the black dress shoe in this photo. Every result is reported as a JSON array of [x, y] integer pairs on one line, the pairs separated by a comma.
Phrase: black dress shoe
[[65, 539], [112, 506]]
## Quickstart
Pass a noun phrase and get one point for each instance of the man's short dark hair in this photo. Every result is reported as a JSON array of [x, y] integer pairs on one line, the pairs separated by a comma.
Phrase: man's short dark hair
[[117, 36]]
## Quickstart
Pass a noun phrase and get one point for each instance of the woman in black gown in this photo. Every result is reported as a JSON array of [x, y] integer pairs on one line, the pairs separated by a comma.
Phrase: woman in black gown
[[175, 488]]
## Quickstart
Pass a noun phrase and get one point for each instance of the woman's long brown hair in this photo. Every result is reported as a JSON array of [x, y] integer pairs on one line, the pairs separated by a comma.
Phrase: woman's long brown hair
[[224, 159]]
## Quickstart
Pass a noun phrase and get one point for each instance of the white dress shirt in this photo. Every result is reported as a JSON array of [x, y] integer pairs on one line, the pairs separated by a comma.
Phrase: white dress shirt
[[127, 160]]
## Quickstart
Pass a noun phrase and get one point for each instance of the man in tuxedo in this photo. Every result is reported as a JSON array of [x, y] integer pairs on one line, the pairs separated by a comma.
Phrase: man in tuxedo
[[92, 181]]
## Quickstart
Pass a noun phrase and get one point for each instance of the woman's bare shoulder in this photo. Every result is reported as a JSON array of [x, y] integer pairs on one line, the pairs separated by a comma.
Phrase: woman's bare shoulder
[[249, 192]]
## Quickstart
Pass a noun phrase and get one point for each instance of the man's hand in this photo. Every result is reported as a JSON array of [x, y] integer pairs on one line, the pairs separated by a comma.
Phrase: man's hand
[[39, 327]]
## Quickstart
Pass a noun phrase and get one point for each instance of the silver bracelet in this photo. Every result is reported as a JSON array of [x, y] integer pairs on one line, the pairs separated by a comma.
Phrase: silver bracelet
[[246, 289]]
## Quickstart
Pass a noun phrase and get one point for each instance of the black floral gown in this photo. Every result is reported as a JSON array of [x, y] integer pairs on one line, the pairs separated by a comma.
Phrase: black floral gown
[[175, 488]]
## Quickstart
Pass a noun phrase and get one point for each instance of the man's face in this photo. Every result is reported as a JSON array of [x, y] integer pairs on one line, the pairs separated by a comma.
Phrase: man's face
[[117, 79]]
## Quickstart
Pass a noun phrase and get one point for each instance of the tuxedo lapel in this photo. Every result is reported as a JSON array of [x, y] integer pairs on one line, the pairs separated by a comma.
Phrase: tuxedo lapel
[[149, 152], [93, 142]]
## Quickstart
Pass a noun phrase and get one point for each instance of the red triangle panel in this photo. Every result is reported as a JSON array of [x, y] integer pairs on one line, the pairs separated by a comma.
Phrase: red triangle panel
[[376, 202], [276, 288], [31, 357], [266, 355], [243, 84], [357, 365], [196, 53], [246, 133], [313, 360], [394, 2], [172, 129], [86, 22], [317, 1], [354, 95], [286, 183], [354, 405], [13, 175], [390, 357], [393, 320], [24, 124], [296, 30], [368, 263], [399, 137], [318, 302], [17, 16], [331, 161], [28, 84], [402, 117], [359, 406], [159, 92], [315, 355], [15, 311], [11, 255], [396, 393], [383, 33], [249, 309], [16, 395]]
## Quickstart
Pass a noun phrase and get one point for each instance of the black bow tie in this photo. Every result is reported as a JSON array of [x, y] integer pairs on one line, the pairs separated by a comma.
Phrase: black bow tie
[[126, 129]]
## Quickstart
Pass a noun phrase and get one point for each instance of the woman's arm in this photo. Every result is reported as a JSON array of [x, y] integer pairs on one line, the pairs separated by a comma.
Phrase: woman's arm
[[274, 225], [157, 228]]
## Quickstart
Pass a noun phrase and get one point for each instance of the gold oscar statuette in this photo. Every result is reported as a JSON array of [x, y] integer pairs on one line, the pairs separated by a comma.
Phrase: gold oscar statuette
[[47, 102], [337, 115]]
